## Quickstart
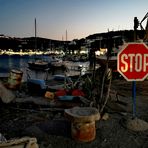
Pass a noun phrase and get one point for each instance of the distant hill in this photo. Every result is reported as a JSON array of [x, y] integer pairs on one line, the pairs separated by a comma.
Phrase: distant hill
[[128, 35], [43, 43]]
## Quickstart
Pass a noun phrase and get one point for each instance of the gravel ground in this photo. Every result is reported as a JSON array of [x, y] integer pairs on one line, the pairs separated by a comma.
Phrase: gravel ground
[[53, 130]]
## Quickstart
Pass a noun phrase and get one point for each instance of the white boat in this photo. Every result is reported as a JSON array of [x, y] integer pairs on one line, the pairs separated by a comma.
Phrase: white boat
[[112, 61]]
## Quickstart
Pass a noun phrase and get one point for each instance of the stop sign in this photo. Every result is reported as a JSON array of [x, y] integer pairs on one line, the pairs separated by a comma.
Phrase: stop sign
[[132, 62]]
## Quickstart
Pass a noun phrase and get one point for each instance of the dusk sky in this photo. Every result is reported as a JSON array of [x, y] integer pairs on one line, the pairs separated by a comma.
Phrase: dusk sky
[[79, 17]]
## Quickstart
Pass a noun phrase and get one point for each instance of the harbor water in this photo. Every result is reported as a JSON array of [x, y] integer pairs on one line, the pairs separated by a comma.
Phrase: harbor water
[[9, 62]]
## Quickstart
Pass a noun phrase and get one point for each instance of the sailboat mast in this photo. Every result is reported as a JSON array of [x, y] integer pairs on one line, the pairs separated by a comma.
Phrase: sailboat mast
[[66, 35], [66, 39], [35, 36]]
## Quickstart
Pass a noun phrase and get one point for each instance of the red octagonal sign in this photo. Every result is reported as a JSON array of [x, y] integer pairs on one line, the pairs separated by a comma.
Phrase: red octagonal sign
[[133, 62]]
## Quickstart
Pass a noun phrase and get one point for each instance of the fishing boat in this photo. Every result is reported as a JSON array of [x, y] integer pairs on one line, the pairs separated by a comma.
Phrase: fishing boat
[[112, 61], [38, 65], [110, 57], [58, 81]]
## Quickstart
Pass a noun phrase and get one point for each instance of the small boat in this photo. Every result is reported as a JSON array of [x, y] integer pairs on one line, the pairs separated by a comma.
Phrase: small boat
[[54, 61], [112, 61], [38, 65], [58, 82]]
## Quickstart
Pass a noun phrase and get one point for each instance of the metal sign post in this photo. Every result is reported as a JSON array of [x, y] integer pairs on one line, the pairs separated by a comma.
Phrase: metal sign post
[[134, 98]]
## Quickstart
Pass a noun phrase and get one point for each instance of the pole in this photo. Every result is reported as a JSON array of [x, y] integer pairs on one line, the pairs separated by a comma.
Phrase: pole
[[136, 24], [134, 98]]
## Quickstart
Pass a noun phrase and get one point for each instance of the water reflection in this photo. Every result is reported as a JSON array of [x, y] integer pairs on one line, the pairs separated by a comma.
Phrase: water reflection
[[10, 62]]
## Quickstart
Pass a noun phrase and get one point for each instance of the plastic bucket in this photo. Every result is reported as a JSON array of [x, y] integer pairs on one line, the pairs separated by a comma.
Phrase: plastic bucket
[[15, 78], [83, 132]]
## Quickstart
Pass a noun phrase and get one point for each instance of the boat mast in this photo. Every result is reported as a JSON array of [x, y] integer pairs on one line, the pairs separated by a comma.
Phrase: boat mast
[[66, 35], [35, 36], [66, 40]]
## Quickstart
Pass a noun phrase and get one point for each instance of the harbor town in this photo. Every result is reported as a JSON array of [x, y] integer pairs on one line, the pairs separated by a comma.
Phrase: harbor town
[[90, 92]]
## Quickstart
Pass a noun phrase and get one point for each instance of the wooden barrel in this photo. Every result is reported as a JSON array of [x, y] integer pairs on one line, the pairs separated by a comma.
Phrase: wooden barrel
[[15, 78]]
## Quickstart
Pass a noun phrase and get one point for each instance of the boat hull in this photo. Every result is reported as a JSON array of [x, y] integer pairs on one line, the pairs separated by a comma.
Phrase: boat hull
[[112, 62], [38, 65]]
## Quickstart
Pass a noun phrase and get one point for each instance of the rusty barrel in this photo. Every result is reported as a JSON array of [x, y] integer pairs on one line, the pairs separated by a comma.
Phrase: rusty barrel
[[83, 119], [15, 78], [83, 132]]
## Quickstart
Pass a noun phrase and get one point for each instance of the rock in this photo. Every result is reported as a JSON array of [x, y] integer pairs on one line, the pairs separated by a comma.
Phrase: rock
[[5, 94], [105, 116], [137, 124]]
